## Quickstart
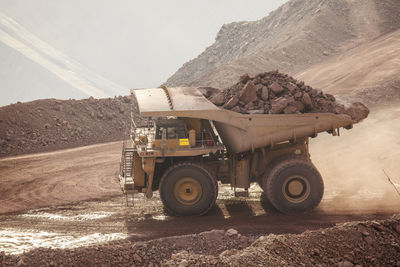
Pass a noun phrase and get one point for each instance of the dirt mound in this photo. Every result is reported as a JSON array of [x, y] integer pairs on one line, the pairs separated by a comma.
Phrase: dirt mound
[[292, 38], [363, 243], [50, 124], [277, 93], [366, 243]]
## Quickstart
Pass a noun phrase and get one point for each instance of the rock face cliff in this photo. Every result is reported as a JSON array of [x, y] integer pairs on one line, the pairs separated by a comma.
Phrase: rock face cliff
[[292, 38]]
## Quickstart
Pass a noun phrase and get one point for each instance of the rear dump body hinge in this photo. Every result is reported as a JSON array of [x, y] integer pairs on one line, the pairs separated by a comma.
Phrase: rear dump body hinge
[[126, 174]]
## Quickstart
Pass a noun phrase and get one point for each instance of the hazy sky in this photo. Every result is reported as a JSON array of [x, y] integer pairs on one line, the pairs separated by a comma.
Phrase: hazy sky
[[132, 43]]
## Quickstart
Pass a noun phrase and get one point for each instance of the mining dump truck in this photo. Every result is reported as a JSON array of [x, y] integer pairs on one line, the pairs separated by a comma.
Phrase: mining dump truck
[[185, 146]]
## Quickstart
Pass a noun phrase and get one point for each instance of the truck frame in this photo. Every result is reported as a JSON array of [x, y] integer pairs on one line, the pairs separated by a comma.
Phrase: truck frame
[[184, 145]]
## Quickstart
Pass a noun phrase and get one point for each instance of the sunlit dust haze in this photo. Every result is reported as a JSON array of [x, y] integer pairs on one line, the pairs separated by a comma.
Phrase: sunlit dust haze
[[74, 49], [352, 164]]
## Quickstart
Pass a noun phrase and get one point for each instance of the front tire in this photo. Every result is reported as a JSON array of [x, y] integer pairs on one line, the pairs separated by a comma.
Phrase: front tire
[[188, 189], [294, 186]]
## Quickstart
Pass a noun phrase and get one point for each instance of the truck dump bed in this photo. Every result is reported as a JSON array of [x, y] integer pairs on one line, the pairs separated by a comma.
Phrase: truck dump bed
[[238, 132]]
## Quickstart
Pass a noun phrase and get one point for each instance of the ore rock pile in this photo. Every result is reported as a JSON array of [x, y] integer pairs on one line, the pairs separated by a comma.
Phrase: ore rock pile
[[277, 93]]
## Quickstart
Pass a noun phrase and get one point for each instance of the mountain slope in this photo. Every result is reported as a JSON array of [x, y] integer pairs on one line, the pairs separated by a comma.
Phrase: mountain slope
[[370, 72], [292, 38]]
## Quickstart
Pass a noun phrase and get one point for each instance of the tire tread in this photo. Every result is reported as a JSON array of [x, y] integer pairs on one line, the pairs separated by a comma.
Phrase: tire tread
[[274, 174], [179, 165]]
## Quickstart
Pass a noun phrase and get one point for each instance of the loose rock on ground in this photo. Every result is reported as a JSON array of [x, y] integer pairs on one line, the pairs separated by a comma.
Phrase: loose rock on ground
[[368, 243]]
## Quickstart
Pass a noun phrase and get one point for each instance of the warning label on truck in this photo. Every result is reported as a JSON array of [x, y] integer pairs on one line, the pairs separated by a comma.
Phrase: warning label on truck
[[184, 142]]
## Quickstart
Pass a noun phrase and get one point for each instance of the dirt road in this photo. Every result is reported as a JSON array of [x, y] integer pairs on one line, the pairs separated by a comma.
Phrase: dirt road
[[95, 222], [44, 198], [55, 178]]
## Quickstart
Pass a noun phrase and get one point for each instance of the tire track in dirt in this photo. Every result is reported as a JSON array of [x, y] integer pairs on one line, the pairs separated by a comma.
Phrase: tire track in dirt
[[59, 178]]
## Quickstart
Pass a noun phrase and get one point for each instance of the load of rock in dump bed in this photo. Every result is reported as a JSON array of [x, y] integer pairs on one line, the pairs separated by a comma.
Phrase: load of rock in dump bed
[[277, 93]]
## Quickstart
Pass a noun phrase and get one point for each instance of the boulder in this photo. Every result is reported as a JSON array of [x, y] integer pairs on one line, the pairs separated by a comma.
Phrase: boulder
[[208, 91], [276, 88], [291, 87], [231, 102], [299, 105], [307, 101], [248, 93], [339, 109], [259, 88], [257, 80], [265, 93], [261, 104], [291, 109], [298, 95], [218, 99], [236, 109], [244, 78], [357, 111], [231, 232], [314, 92], [249, 105], [330, 97], [278, 105]]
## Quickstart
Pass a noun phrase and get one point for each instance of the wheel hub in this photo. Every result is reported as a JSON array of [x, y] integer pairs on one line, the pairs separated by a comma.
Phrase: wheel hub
[[188, 191], [296, 188]]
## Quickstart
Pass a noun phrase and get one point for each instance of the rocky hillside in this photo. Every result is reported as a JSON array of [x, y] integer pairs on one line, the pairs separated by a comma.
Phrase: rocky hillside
[[294, 37], [369, 73]]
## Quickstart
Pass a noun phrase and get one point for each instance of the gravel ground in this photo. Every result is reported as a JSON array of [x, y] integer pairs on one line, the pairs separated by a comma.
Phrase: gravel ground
[[373, 243], [355, 243]]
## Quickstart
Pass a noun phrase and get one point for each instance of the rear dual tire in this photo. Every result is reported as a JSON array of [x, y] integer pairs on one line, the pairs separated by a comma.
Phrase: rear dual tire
[[294, 186]]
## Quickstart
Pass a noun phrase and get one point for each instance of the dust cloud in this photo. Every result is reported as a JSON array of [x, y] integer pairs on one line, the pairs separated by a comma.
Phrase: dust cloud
[[352, 165]]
